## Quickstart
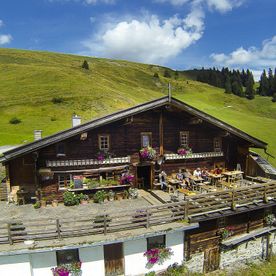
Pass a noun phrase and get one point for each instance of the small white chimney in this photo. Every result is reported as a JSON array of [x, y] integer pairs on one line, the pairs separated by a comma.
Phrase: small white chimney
[[76, 120], [37, 134]]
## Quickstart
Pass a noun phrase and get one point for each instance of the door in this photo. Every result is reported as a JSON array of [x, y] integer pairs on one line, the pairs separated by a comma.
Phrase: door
[[144, 173], [114, 259], [211, 259]]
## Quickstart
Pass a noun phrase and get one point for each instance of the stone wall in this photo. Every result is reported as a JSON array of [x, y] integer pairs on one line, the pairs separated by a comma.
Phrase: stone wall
[[195, 263]]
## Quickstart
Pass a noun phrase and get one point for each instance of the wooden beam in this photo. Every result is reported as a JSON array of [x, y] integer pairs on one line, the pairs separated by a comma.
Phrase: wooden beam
[[161, 134]]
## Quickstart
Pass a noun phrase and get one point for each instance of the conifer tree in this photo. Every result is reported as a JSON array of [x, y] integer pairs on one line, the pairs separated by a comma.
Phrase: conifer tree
[[249, 92], [85, 65], [228, 86], [270, 82], [264, 85]]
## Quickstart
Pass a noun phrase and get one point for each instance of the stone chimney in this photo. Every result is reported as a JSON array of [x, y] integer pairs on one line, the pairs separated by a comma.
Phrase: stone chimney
[[76, 120], [37, 134]]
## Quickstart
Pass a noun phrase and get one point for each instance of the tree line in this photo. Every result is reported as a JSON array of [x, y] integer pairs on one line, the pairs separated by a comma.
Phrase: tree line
[[240, 83]]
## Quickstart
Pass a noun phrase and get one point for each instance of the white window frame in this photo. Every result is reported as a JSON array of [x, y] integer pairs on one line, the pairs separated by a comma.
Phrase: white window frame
[[217, 144], [104, 145], [146, 134], [184, 137]]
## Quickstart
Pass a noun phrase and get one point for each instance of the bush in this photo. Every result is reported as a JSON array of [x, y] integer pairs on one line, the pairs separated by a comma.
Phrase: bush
[[85, 65], [57, 100], [156, 76], [15, 121], [167, 74], [70, 199], [99, 196], [37, 205]]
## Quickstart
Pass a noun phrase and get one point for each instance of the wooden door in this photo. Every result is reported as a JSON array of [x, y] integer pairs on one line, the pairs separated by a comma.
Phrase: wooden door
[[114, 259], [211, 259]]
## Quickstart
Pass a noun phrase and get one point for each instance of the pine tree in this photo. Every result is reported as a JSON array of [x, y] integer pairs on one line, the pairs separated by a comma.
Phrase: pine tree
[[85, 65], [228, 86], [270, 82], [264, 85], [249, 92], [237, 88], [274, 83]]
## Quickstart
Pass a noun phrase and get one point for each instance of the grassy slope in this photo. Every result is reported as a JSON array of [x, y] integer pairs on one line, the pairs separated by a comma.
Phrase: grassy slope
[[29, 81]]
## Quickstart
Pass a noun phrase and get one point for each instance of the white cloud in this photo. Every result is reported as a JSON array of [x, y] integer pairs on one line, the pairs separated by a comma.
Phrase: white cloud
[[5, 39], [254, 57], [219, 5], [149, 40]]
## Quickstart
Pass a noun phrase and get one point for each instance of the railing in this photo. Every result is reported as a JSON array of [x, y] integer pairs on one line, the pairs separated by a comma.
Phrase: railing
[[200, 155], [86, 162], [18, 231]]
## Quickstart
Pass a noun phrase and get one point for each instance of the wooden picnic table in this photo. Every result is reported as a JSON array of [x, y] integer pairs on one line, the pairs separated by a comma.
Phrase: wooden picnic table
[[232, 175], [187, 192], [215, 178], [175, 182]]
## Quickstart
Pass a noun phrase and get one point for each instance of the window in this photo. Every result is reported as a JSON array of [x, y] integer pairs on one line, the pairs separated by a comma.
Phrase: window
[[104, 143], [156, 242], [217, 144], [61, 150], [184, 138], [67, 256], [64, 181], [145, 139]]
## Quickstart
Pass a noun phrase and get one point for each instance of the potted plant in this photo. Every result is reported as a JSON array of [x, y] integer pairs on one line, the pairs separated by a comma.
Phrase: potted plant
[[119, 195], [147, 153], [226, 232], [111, 195], [61, 270], [43, 202], [133, 193], [37, 205], [126, 179], [269, 219], [126, 194], [70, 199], [157, 256], [99, 196], [84, 199], [184, 150], [54, 202]]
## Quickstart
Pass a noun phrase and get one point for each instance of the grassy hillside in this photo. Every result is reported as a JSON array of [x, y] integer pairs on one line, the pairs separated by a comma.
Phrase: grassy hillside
[[30, 80]]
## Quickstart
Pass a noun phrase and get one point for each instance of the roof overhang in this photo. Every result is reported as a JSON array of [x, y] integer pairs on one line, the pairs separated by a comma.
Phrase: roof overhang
[[60, 136]]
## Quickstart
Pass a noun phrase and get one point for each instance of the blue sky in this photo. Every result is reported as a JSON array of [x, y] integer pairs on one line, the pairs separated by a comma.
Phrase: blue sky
[[181, 34]]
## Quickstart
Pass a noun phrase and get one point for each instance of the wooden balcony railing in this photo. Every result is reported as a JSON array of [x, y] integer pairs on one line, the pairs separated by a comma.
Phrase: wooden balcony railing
[[87, 162], [199, 155]]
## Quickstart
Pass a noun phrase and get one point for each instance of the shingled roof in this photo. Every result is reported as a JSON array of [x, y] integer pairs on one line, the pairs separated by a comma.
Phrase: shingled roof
[[30, 147]]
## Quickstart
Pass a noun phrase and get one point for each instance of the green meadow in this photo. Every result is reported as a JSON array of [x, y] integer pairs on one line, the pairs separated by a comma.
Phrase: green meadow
[[30, 81]]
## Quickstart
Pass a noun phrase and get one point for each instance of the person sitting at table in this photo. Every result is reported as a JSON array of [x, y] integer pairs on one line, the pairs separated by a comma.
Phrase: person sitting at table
[[217, 170], [204, 174], [163, 180], [186, 176], [197, 172]]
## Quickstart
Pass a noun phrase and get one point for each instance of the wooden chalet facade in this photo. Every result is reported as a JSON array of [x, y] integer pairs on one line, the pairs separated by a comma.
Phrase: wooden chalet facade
[[49, 164]]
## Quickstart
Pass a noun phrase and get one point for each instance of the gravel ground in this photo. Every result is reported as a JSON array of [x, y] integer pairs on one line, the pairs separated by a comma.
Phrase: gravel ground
[[27, 212]]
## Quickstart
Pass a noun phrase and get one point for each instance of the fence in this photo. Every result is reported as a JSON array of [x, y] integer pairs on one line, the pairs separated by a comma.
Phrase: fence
[[19, 231]]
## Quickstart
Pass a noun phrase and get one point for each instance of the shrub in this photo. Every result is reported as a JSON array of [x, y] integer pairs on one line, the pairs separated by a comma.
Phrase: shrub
[[99, 196], [156, 76], [85, 65], [167, 74], [57, 100], [15, 121], [70, 199], [36, 205]]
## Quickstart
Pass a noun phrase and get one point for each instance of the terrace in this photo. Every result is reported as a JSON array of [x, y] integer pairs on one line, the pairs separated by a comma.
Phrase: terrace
[[152, 211]]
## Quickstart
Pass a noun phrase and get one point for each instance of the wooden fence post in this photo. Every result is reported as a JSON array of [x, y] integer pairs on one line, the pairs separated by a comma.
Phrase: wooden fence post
[[105, 226], [58, 229], [9, 234], [148, 222], [265, 195], [186, 209], [233, 203]]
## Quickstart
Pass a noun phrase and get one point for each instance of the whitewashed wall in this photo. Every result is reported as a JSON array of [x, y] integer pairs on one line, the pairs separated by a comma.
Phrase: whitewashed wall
[[92, 261], [42, 263], [135, 262], [15, 265]]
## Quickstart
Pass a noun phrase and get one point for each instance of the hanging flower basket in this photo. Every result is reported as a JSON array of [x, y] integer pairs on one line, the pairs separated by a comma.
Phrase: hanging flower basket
[[157, 256], [184, 150], [147, 153]]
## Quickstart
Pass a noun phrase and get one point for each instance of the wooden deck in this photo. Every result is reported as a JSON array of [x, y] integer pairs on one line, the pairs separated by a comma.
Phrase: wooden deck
[[199, 206]]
